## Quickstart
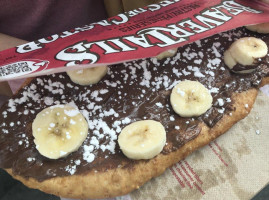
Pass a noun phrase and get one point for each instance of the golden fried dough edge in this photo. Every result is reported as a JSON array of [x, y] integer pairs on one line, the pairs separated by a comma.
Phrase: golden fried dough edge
[[264, 81], [121, 181]]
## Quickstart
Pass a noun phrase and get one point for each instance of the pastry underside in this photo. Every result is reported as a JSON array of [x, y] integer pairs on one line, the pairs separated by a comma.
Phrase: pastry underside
[[114, 174]]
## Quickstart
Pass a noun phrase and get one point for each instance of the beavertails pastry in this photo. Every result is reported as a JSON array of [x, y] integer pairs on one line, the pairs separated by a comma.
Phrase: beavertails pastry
[[131, 93]]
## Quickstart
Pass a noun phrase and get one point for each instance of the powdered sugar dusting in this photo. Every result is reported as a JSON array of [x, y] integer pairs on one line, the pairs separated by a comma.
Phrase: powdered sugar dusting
[[71, 113]]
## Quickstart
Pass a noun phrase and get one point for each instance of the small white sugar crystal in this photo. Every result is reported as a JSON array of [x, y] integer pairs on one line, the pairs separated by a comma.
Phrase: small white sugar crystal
[[26, 112], [72, 121], [126, 121], [172, 118], [221, 110], [220, 101], [62, 153], [179, 91], [77, 162], [89, 157], [71, 169], [159, 105], [48, 101], [214, 90], [71, 113], [52, 125]]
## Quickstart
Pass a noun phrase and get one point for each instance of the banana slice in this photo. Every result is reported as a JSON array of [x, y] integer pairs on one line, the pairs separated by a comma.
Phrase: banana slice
[[245, 52], [59, 130], [190, 98], [167, 54], [142, 140], [260, 28], [88, 76]]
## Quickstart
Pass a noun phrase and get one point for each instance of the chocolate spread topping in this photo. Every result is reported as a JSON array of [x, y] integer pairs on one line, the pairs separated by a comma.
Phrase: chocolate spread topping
[[239, 67], [257, 62], [129, 92]]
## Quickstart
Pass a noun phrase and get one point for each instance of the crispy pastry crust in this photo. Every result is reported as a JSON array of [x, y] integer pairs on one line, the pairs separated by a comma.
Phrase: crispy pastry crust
[[264, 81], [120, 181]]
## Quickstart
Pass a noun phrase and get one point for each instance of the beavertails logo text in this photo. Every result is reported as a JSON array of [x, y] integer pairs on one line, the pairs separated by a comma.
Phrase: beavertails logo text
[[161, 36]]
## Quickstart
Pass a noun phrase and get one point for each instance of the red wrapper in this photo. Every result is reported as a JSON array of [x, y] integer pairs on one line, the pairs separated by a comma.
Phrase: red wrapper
[[141, 33]]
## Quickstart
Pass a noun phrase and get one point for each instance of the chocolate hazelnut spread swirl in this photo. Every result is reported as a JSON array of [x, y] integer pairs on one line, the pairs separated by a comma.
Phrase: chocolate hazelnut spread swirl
[[129, 92], [258, 63]]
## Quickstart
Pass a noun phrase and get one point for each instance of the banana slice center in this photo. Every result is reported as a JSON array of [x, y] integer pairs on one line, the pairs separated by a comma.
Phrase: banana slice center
[[140, 135], [59, 131], [142, 139], [190, 98]]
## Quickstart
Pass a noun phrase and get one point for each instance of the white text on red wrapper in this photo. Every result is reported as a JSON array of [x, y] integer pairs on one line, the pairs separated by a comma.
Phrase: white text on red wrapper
[[145, 38], [165, 36]]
